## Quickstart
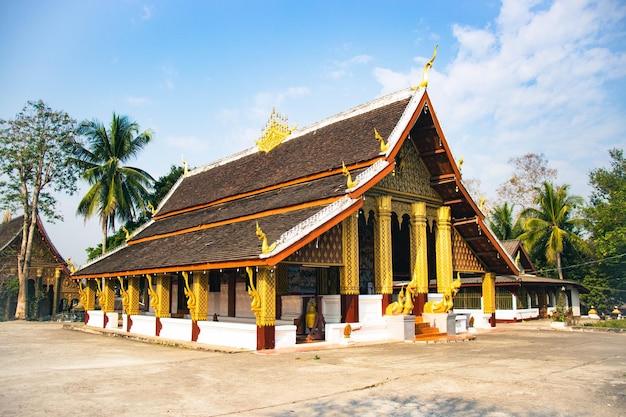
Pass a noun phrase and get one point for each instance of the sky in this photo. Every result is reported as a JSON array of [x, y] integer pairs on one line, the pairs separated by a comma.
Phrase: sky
[[510, 77]]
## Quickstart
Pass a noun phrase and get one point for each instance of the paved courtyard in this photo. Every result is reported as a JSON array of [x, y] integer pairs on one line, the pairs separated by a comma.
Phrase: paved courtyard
[[517, 370]]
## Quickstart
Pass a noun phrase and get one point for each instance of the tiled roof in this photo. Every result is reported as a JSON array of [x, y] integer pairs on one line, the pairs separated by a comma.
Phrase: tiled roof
[[295, 191]]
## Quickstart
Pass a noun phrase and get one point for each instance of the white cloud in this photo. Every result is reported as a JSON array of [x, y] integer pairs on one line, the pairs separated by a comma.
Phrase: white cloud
[[533, 81], [169, 75]]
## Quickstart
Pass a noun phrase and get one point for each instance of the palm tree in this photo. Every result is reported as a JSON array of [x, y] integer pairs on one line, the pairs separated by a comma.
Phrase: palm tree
[[117, 191], [502, 223], [549, 224]]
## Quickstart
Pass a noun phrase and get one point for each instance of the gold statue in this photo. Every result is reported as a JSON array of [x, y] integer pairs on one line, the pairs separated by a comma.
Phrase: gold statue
[[70, 265], [265, 248], [185, 170], [152, 209], [311, 314], [428, 66], [447, 302], [397, 307], [346, 173], [124, 293], [460, 164], [82, 294], [383, 146], [191, 298], [102, 295], [154, 298], [481, 203], [255, 298]]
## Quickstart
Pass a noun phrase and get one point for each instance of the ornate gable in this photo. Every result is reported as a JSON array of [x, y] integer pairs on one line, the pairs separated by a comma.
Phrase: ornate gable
[[463, 259], [410, 175]]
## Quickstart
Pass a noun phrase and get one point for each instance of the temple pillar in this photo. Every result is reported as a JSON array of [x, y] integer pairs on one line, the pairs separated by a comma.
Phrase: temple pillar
[[162, 291], [266, 320], [349, 272], [107, 299], [383, 253], [489, 296], [419, 256], [57, 291], [443, 249], [88, 297], [200, 289]]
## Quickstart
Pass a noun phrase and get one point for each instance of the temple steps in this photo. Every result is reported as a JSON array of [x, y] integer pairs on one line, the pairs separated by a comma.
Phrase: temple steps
[[425, 333]]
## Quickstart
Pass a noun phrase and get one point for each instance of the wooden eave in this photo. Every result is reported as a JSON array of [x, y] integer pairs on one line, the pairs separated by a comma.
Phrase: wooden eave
[[467, 218]]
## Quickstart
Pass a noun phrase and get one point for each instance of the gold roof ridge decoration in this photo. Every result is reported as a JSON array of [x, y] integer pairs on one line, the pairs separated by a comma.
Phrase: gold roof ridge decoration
[[276, 130], [428, 66]]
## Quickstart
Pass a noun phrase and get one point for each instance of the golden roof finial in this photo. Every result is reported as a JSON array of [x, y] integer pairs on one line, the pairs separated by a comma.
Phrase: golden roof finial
[[428, 66], [151, 207], [265, 248], [349, 183], [383, 146], [276, 130], [185, 170]]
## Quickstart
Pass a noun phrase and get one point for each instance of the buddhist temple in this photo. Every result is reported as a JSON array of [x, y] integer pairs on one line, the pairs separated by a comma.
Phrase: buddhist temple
[[307, 233], [50, 292]]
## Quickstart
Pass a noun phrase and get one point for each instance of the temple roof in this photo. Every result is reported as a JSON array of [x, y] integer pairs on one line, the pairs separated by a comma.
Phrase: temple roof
[[296, 192], [12, 230]]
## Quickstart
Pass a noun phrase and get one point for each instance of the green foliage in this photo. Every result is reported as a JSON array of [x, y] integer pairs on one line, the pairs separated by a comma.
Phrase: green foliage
[[36, 156], [161, 187], [10, 288], [611, 324], [549, 226], [606, 213], [117, 192], [503, 223]]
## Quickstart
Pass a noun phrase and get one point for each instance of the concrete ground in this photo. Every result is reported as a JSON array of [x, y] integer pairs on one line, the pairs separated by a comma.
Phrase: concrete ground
[[524, 369]]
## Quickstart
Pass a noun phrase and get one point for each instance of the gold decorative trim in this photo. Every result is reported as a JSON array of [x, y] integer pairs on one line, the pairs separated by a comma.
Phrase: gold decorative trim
[[275, 131]]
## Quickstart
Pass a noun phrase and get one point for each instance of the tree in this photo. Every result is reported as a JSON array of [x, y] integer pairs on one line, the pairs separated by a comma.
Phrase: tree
[[503, 222], [117, 191], [606, 212], [531, 170], [161, 187], [35, 156], [549, 225]]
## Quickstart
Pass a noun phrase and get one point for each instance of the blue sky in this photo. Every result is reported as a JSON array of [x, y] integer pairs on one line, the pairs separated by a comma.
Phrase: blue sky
[[510, 77]]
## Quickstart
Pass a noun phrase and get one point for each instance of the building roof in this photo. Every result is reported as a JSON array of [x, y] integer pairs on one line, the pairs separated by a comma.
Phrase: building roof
[[513, 247], [12, 230], [296, 192]]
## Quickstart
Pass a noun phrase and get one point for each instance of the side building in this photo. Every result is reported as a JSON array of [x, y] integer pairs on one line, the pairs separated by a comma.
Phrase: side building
[[50, 289], [303, 234]]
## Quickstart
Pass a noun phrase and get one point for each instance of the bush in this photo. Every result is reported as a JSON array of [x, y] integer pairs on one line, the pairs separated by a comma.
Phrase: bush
[[612, 324]]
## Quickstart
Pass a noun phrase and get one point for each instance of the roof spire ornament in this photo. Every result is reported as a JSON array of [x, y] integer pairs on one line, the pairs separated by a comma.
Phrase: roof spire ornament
[[350, 183], [276, 130], [265, 248], [383, 146], [185, 170], [428, 66]]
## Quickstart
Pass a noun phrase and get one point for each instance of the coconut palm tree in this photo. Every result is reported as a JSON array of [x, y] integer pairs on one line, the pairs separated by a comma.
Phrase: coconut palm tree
[[549, 224], [117, 191], [503, 224]]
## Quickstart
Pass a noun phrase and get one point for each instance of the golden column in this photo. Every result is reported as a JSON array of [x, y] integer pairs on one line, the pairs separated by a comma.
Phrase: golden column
[[349, 272], [133, 295], [383, 254], [200, 288], [266, 286], [89, 303], [107, 295], [163, 293], [489, 296], [443, 249], [419, 247], [266, 320]]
